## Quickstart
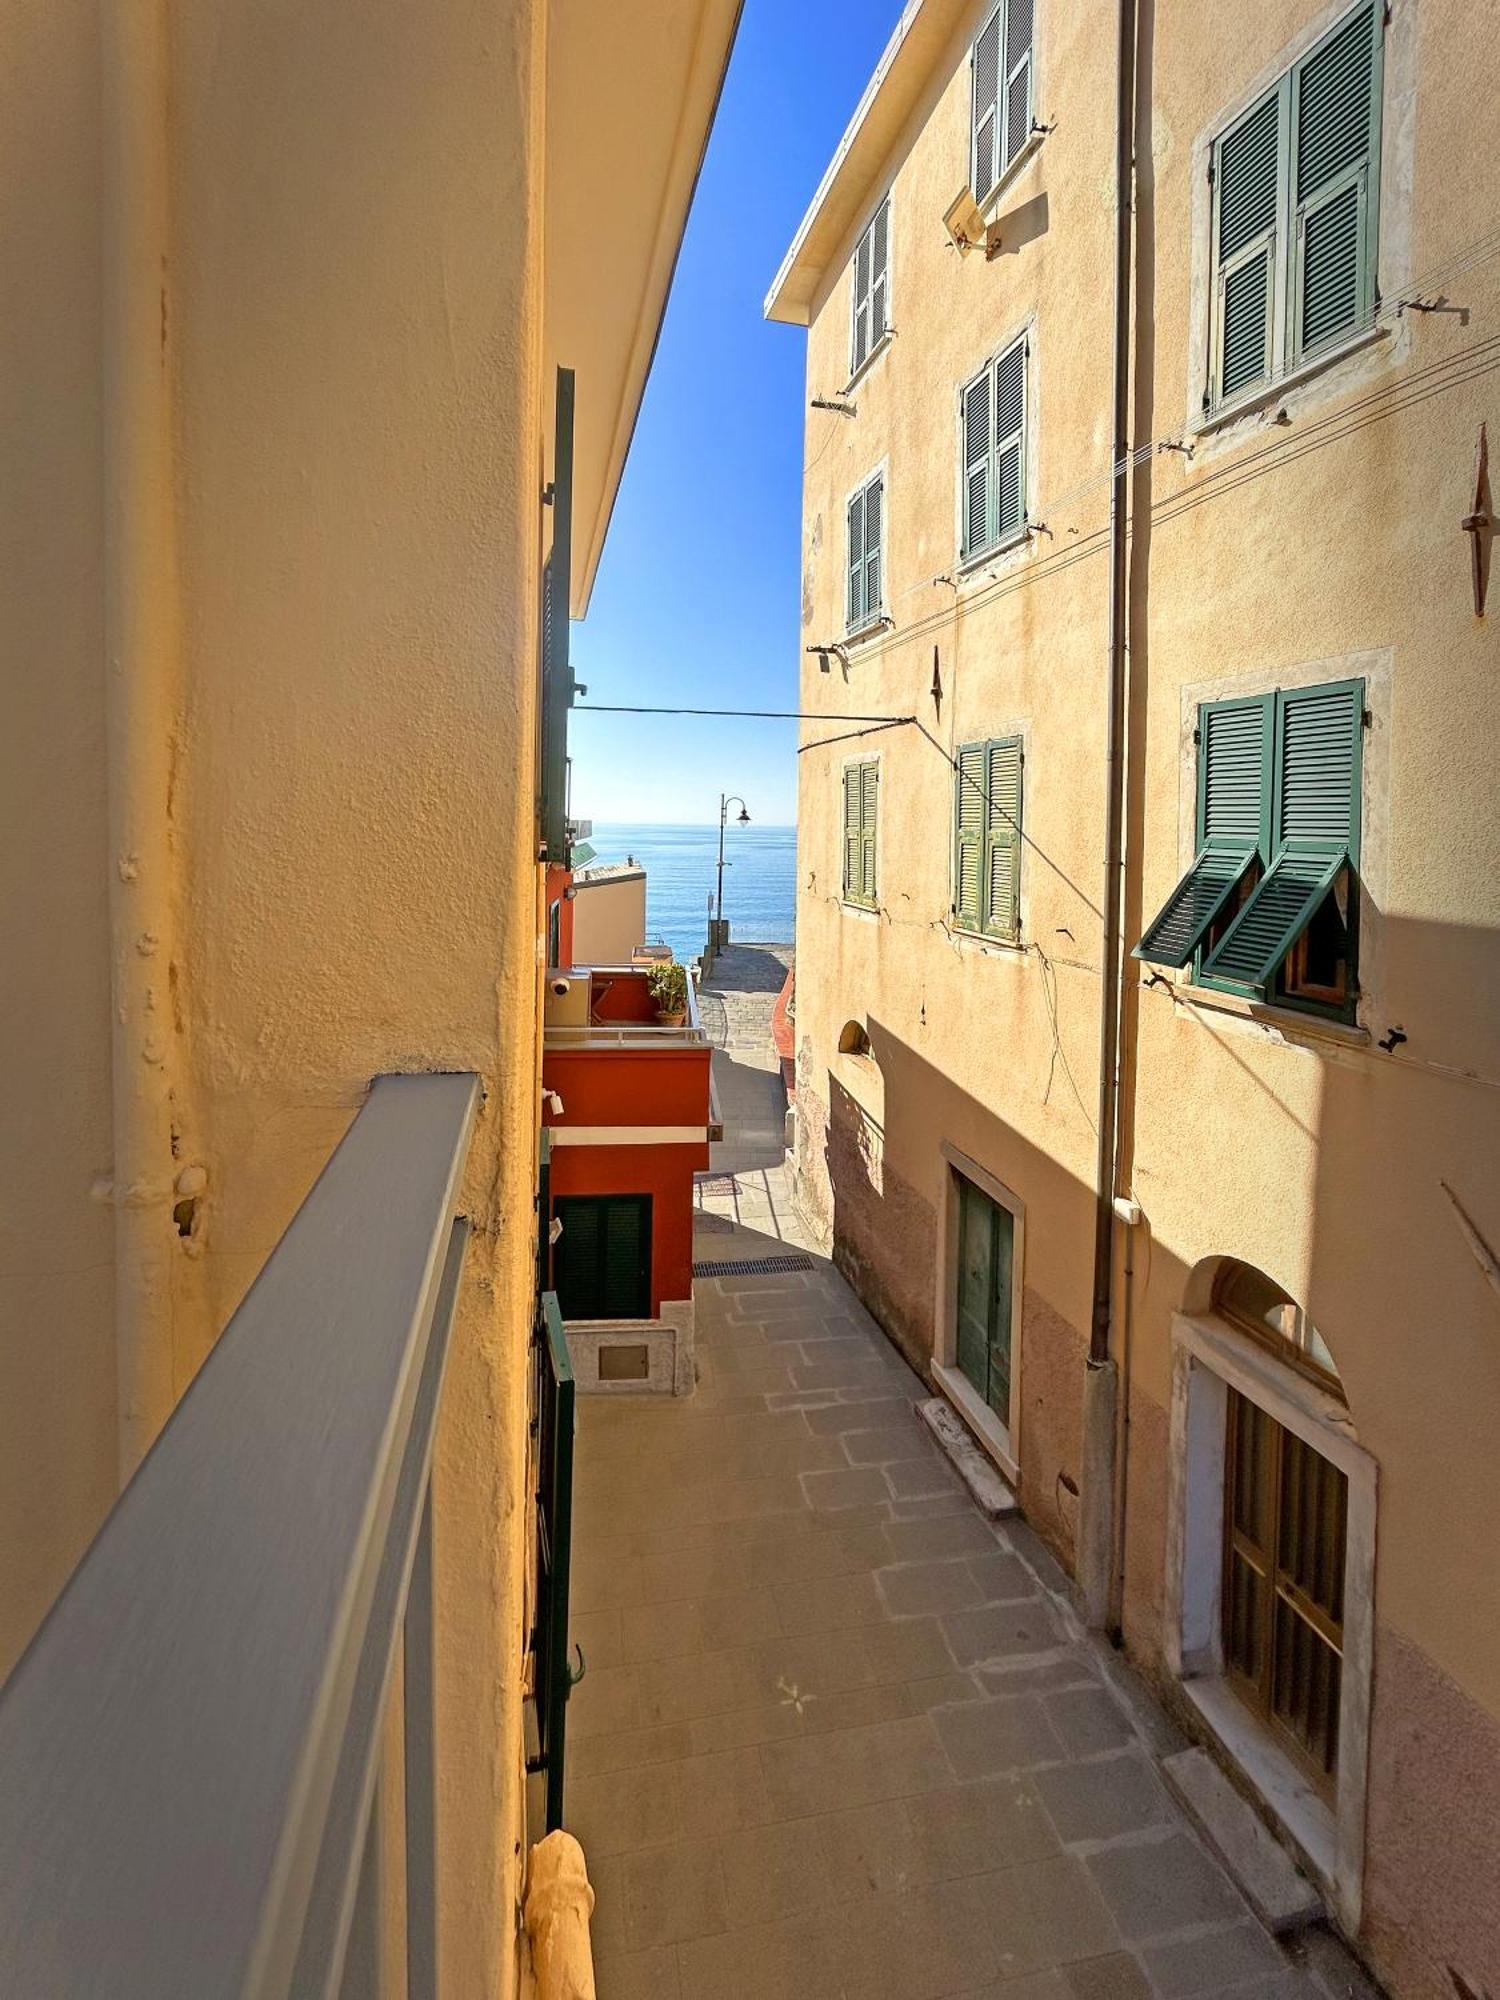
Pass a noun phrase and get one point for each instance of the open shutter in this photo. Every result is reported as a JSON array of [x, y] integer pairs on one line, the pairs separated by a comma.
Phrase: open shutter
[[874, 546], [557, 672], [855, 608], [869, 795], [880, 286], [1318, 754], [1335, 100], [1247, 169], [1010, 442], [978, 434], [852, 806], [984, 126], [1017, 107], [1234, 808], [968, 860], [1002, 848]]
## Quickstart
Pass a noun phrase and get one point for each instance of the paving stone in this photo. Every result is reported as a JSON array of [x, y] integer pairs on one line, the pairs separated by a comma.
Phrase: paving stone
[[914, 1945], [1163, 1886], [836, 1417], [848, 1767], [673, 1893], [638, 1975], [830, 1604], [906, 1649], [922, 1478], [1212, 1961], [930, 1586], [785, 1869], [720, 1793], [995, 1736], [1046, 1913], [958, 1534], [1104, 1798], [998, 1630], [1089, 1720], [855, 1486], [628, 1750], [783, 1961], [942, 1691], [1002, 1577], [1116, 1976], [974, 1828], [811, 1714], [891, 1445]]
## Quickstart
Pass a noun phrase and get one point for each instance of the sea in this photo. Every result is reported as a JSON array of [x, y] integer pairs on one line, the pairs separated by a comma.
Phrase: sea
[[681, 864]]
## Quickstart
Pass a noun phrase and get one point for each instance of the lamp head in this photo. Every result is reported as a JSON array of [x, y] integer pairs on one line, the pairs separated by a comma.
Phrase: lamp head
[[744, 816]]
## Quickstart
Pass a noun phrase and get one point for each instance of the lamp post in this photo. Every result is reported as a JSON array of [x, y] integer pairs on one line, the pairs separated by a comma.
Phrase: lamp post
[[733, 799]]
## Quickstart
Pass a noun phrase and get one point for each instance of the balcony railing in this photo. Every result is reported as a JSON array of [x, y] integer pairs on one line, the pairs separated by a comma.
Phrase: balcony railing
[[190, 1750], [690, 1033]]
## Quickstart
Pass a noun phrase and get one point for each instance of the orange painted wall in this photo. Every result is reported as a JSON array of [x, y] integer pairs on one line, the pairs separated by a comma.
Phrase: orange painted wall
[[612, 1086], [558, 881], [663, 1172]]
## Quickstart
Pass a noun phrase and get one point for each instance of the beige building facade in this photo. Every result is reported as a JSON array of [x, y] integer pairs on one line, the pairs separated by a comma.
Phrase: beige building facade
[[1300, 1321], [286, 295], [609, 913]]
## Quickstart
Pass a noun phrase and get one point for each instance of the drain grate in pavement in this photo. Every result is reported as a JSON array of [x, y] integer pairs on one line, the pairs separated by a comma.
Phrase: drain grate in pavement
[[716, 1184], [744, 1266]]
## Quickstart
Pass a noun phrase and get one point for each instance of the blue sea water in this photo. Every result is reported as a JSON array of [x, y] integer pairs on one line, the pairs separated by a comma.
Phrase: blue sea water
[[681, 864]]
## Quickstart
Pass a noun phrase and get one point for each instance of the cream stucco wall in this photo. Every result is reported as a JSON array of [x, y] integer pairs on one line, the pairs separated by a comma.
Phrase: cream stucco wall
[[1282, 551], [609, 919]]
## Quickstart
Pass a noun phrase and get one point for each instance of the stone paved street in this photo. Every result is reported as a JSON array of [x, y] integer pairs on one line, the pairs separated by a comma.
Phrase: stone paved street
[[840, 1738]]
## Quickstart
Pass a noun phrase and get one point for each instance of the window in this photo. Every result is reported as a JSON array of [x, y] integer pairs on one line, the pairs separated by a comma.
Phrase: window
[[1000, 101], [1285, 1531], [1269, 907], [1259, 1307], [866, 524], [601, 1263], [861, 797], [853, 1039], [872, 288], [987, 839], [1295, 211], [992, 429]]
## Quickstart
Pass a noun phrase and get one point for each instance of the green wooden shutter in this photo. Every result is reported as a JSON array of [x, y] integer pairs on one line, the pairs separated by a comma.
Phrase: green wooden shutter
[[1234, 825], [625, 1265], [1009, 482], [880, 245], [1248, 179], [1317, 769], [852, 810], [985, 114], [855, 607], [576, 1257], [969, 821], [869, 797], [874, 546], [557, 673], [860, 341], [1017, 108], [1002, 841], [1335, 119], [978, 435]]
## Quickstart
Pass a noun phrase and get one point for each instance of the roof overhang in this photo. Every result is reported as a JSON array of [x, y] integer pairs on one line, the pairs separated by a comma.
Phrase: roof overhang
[[895, 90], [632, 90]]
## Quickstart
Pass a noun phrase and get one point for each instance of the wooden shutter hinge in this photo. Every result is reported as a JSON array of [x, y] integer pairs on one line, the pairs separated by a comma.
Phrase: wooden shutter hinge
[[1366, 718], [549, 494], [1197, 736]]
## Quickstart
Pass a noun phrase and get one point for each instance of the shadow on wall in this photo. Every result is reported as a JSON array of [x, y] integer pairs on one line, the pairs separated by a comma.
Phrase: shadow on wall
[[887, 1179]]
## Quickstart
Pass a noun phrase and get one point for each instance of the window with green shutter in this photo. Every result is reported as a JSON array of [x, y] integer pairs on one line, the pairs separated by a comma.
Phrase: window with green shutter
[[1000, 69], [992, 451], [871, 314], [1295, 210], [1269, 906], [601, 1262], [987, 838], [861, 804], [864, 597]]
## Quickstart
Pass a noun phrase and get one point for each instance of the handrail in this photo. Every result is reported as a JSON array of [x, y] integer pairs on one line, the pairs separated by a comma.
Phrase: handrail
[[189, 1749], [647, 1034]]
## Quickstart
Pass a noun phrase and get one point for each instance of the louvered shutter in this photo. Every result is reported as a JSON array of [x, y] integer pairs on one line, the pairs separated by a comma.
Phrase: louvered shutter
[[557, 672], [1317, 766], [880, 249], [978, 435], [1247, 166], [860, 342], [985, 111], [874, 546], [869, 794], [970, 815], [625, 1274], [1009, 479], [1234, 818], [1017, 109], [856, 593], [1002, 847], [852, 808], [1335, 96], [576, 1258]]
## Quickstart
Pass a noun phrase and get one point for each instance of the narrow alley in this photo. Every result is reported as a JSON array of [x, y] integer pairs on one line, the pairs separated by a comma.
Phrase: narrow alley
[[839, 1736]]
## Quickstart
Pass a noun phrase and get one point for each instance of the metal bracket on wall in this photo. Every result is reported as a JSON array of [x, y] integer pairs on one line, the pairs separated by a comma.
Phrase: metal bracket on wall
[[1479, 522]]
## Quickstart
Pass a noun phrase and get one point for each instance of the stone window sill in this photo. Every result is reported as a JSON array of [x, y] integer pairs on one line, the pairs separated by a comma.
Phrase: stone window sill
[[1257, 400], [869, 361], [1285, 1024]]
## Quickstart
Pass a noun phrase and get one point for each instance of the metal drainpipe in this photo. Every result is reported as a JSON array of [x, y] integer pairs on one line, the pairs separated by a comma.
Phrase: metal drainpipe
[[1096, 1524], [139, 640]]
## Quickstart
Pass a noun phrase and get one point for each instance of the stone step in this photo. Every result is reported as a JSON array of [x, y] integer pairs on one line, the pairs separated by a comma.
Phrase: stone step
[[1276, 1889], [988, 1490]]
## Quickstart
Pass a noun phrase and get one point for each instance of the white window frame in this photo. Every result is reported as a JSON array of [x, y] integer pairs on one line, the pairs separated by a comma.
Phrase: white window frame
[[1000, 1440], [858, 368], [1210, 1357]]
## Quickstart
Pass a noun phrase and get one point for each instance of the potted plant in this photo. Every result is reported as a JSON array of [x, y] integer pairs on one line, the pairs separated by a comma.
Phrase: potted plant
[[668, 986]]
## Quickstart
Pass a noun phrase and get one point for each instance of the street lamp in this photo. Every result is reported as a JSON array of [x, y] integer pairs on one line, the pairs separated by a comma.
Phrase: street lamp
[[733, 799]]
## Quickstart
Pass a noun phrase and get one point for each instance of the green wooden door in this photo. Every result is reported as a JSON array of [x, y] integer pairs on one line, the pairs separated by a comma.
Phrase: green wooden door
[[601, 1263], [986, 1246]]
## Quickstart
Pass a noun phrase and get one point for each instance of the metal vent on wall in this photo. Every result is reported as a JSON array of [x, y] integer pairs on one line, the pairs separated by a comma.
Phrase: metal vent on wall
[[746, 1266]]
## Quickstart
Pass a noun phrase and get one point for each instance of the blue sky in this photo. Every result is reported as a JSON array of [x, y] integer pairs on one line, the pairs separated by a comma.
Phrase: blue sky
[[696, 601]]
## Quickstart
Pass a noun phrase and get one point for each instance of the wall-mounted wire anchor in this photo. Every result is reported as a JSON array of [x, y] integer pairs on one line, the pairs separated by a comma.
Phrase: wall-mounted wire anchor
[[1039, 131], [839, 406], [1040, 528], [1391, 1040], [1175, 444], [1441, 304]]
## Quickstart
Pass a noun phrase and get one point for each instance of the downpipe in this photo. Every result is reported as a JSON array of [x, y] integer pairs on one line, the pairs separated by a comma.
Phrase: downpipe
[[1096, 1527], [139, 636]]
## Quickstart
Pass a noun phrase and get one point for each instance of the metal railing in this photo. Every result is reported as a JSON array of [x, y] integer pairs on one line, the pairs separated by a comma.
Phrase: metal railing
[[190, 1750], [552, 1676]]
